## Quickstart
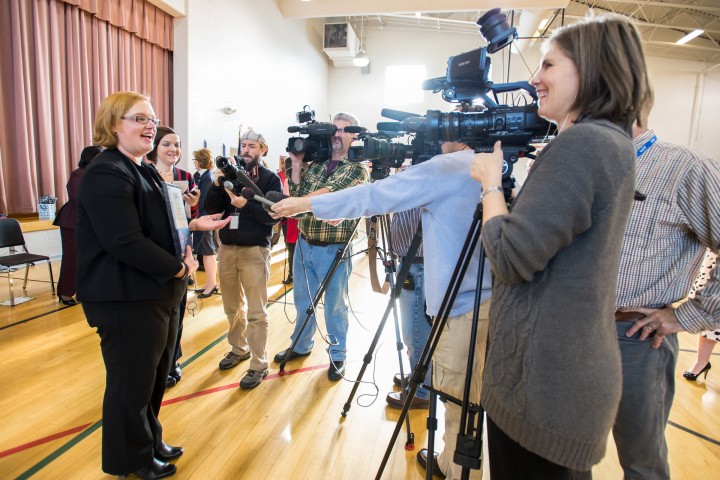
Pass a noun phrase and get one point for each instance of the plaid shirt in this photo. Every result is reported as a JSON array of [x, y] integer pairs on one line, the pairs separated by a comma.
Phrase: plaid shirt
[[667, 234], [346, 174]]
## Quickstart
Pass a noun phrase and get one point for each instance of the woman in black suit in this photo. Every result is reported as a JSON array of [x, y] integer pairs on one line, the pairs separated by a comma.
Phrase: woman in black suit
[[66, 220], [130, 280]]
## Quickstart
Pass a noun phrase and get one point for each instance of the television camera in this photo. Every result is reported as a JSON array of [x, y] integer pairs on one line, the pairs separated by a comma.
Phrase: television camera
[[466, 80], [317, 145]]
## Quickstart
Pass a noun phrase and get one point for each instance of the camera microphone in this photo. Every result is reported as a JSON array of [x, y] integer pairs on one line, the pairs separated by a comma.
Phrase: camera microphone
[[389, 126], [250, 195], [293, 129], [354, 129]]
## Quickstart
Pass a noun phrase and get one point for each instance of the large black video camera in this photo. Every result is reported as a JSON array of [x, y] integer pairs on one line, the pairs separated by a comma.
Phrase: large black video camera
[[385, 154], [230, 172], [466, 80], [317, 145]]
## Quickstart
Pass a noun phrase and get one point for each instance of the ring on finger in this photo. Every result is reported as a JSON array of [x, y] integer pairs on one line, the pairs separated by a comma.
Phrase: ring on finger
[[649, 327]]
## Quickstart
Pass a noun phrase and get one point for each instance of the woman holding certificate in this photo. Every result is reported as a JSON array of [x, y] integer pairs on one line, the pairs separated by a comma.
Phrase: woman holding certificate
[[165, 154], [131, 276]]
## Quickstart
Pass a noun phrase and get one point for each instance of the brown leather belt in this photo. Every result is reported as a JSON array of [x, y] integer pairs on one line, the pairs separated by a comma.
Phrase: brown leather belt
[[628, 316], [317, 243]]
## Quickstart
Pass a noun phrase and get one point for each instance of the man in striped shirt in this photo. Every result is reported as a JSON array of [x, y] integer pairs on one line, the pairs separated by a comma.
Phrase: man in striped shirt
[[663, 247], [317, 244]]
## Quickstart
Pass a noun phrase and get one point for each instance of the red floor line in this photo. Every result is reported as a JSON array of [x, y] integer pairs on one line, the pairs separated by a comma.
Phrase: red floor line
[[40, 441], [272, 376], [169, 401]]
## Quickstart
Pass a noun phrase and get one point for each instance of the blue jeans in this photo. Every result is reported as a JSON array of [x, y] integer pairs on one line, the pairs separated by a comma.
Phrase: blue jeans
[[647, 395], [311, 264], [415, 327]]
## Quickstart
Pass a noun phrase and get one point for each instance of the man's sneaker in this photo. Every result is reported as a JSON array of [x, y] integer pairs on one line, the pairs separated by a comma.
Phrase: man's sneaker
[[253, 378], [232, 359], [397, 400]]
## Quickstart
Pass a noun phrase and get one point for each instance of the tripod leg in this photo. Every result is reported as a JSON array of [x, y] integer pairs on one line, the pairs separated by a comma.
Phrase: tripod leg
[[439, 324]]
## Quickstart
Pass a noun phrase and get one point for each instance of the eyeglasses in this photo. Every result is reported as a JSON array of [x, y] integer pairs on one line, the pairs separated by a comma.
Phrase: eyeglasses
[[142, 119]]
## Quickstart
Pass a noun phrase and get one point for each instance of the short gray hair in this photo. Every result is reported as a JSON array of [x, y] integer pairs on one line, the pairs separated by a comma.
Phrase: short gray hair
[[347, 117]]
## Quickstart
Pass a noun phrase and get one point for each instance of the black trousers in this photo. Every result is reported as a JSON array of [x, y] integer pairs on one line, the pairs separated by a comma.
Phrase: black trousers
[[137, 340], [510, 461]]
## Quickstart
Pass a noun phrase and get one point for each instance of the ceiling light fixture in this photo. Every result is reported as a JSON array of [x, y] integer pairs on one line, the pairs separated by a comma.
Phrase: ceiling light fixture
[[690, 36], [361, 59]]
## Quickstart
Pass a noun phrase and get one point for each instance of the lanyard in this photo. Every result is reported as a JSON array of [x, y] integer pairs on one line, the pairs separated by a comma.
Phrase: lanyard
[[647, 145]]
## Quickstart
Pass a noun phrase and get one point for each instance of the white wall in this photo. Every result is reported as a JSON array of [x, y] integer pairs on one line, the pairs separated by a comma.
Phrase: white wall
[[243, 54]]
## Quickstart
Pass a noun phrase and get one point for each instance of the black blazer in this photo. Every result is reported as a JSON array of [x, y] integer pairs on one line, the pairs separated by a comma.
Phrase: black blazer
[[125, 243]]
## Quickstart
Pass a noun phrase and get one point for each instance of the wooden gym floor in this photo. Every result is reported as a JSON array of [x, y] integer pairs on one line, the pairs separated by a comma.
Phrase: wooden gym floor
[[52, 381]]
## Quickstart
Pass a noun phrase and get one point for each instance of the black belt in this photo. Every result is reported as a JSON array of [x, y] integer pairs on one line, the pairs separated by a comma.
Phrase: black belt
[[628, 316], [418, 260], [317, 243]]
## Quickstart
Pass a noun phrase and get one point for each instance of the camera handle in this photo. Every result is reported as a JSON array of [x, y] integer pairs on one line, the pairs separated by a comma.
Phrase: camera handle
[[469, 441], [395, 290], [319, 293]]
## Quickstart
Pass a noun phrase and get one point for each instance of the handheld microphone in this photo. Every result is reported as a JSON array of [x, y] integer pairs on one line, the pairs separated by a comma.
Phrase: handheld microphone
[[274, 196], [245, 180], [250, 195]]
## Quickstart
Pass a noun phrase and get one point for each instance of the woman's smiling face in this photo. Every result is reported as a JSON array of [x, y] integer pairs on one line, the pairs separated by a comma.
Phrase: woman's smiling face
[[556, 82]]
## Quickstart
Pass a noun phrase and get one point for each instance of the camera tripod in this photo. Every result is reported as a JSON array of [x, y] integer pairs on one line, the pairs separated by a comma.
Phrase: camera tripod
[[339, 255], [469, 439], [395, 289]]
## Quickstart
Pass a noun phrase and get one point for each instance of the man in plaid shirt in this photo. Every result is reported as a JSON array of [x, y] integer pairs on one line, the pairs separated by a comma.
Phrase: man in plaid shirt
[[664, 244], [317, 245]]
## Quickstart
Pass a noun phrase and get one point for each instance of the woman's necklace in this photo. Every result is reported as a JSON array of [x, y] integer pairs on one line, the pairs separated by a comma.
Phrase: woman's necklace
[[166, 176]]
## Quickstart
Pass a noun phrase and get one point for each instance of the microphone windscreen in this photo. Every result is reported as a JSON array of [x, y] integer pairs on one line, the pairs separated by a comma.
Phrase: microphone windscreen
[[354, 129], [247, 193], [274, 196], [228, 185]]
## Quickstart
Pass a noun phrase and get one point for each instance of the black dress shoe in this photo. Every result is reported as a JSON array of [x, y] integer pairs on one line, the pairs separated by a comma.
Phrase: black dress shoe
[[283, 356], [167, 452], [422, 460], [288, 280], [175, 371], [157, 469], [336, 370]]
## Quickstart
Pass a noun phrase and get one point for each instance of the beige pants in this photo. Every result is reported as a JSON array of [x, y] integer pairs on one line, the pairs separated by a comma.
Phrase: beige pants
[[448, 375], [243, 273]]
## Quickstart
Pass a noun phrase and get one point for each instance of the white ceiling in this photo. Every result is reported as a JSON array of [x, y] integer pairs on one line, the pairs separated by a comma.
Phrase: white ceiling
[[661, 22]]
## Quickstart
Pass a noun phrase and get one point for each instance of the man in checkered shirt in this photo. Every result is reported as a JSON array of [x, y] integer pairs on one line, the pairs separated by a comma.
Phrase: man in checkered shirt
[[663, 247], [317, 245]]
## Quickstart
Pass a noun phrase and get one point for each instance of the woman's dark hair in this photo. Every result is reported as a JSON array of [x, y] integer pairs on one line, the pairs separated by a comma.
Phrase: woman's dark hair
[[88, 154], [607, 52], [161, 132]]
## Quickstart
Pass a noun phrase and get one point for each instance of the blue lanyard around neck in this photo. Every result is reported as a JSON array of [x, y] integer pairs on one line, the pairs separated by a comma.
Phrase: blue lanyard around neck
[[647, 145]]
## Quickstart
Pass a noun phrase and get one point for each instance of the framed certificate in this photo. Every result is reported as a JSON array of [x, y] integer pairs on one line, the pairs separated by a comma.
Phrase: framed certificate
[[178, 220]]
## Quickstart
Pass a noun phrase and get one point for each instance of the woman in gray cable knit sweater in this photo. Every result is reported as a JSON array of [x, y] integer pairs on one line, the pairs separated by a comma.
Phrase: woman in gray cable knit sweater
[[551, 384]]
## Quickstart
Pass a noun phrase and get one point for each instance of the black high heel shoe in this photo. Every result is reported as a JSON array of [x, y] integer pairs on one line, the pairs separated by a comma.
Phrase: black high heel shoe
[[693, 376], [69, 302], [209, 294]]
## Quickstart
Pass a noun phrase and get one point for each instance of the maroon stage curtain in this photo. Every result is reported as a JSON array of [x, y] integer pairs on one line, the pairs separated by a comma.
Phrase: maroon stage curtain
[[59, 59]]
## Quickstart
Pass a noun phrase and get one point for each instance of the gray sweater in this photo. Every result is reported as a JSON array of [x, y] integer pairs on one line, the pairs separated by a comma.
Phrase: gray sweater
[[552, 377], [447, 196]]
